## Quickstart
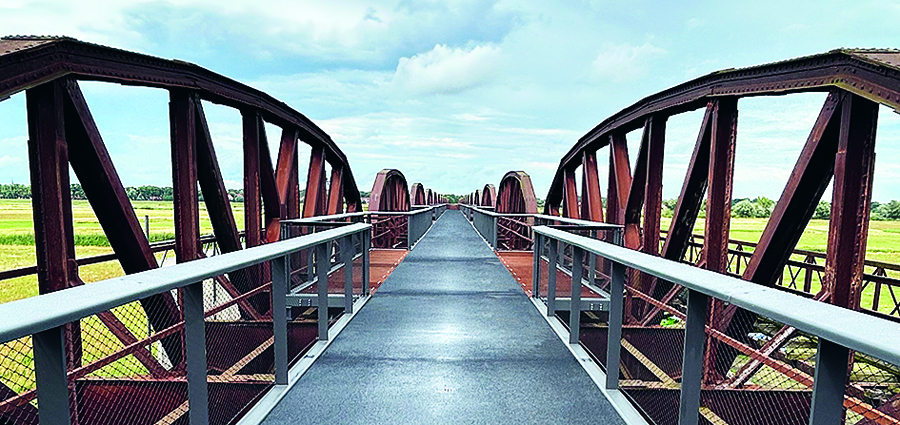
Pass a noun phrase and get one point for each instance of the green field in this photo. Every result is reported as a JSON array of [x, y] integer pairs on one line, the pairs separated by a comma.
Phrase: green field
[[17, 239]]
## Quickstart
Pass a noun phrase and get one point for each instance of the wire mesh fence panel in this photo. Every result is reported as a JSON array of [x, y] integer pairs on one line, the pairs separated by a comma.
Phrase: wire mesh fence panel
[[651, 355], [755, 370], [18, 402], [129, 371], [872, 395], [239, 344]]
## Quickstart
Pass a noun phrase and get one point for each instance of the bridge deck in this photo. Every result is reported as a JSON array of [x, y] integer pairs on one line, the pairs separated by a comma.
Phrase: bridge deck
[[449, 337]]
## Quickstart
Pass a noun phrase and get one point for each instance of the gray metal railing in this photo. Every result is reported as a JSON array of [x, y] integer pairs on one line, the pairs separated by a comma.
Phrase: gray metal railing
[[419, 220], [44, 317], [838, 330]]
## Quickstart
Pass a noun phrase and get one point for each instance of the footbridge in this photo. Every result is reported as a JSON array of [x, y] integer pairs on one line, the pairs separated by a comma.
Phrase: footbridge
[[402, 307]]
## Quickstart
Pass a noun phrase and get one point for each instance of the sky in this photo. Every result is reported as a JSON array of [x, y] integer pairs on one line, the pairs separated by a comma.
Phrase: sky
[[456, 93]]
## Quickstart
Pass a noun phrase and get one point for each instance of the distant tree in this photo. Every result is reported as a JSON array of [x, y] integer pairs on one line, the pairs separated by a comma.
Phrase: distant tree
[[77, 192], [744, 209], [764, 206], [823, 211]]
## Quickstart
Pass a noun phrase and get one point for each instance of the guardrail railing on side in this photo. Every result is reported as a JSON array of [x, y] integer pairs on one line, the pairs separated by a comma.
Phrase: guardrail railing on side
[[390, 229], [835, 331], [46, 319]]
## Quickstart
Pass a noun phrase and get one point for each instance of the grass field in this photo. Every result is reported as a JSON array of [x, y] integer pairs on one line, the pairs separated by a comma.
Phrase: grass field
[[17, 239]]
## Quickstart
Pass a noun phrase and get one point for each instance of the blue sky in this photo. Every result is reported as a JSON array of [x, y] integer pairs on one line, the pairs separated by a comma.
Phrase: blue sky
[[456, 93]]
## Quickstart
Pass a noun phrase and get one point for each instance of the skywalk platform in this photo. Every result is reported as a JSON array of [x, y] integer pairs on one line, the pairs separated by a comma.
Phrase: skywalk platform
[[450, 337]]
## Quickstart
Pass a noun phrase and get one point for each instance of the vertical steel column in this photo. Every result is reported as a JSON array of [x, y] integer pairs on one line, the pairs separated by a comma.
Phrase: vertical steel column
[[575, 306], [50, 376], [366, 246], [184, 175], [551, 277], [195, 353], [614, 335], [280, 277], [252, 201], [721, 176], [322, 288], [347, 254], [830, 381], [692, 362], [536, 267], [854, 168]]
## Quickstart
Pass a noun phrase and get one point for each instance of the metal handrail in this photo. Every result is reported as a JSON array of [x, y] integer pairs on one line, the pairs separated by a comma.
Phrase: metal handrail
[[857, 331], [44, 317]]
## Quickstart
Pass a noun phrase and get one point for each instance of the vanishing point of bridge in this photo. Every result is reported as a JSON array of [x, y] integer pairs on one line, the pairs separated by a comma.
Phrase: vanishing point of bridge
[[415, 310]]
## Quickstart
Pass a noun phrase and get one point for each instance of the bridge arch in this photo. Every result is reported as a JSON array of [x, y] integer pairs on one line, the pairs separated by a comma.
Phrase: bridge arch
[[516, 194], [417, 194], [389, 192], [489, 195]]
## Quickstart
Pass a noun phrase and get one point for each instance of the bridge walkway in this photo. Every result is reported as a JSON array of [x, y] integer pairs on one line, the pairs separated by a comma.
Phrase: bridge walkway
[[450, 337]]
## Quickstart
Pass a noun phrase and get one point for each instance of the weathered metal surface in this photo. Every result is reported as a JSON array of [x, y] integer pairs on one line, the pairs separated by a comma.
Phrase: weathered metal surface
[[417, 194]]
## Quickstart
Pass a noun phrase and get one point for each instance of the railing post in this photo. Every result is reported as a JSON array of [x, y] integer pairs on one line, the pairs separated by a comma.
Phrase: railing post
[[614, 334], [347, 254], [280, 277], [830, 382], [50, 376], [410, 231], [536, 267], [322, 287], [366, 244], [575, 307], [692, 362], [551, 277], [494, 232], [195, 353], [592, 263]]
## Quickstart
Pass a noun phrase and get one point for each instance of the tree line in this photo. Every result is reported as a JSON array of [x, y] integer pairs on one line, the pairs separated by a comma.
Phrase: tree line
[[760, 207]]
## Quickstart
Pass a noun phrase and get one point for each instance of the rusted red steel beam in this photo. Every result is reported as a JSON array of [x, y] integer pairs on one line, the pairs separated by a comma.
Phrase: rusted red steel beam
[[721, 176], [851, 199], [252, 202], [718, 216], [635, 202], [314, 201], [619, 179], [215, 196], [570, 201], [690, 200], [336, 192], [591, 200], [184, 175], [51, 201], [268, 189]]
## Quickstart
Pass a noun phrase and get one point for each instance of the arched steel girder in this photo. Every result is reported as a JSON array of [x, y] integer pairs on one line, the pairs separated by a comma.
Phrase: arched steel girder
[[429, 197], [489, 195], [516, 194], [417, 194], [477, 199], [389, 192], [840, 149], [63, 133]]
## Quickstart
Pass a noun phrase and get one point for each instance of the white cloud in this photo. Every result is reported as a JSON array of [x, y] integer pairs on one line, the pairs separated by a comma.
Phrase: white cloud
[[447, 70], [6, 160], [622, 62]]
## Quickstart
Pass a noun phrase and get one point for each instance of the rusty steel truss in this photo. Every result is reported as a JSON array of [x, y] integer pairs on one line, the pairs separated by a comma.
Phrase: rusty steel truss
[[62, 132], [840, 149]]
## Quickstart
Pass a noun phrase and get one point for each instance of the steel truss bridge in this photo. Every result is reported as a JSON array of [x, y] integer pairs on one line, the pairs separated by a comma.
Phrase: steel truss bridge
[[322, 310]]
